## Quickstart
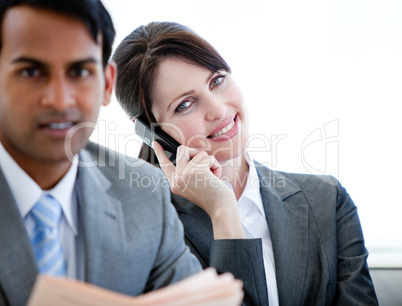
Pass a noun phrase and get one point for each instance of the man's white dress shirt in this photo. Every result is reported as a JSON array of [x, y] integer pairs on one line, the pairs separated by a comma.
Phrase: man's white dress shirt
[[27, 192]]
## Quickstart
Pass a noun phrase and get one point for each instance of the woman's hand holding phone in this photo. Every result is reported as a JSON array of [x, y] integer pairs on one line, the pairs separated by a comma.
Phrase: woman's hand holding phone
[[196, 177]]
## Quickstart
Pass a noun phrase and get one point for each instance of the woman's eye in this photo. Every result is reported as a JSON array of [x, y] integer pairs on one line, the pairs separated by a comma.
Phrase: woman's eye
[[217, 81], [183, 106]]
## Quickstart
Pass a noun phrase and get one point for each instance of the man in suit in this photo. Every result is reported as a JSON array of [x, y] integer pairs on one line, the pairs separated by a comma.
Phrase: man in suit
[[114, 233]]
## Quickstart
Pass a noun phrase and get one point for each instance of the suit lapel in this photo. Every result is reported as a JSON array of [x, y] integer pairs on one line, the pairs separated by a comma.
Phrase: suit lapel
[[103, 227], [18, 266], [287, 215], [197, 225]]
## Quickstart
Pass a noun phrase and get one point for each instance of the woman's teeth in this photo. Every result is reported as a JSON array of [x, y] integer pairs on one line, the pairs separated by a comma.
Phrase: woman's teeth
[[224, 130]]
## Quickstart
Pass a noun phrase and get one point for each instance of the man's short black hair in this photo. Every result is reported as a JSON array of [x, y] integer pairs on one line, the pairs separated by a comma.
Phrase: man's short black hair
[[91, 12]]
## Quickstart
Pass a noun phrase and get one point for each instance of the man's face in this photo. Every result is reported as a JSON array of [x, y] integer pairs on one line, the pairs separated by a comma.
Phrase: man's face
[[51, 80]]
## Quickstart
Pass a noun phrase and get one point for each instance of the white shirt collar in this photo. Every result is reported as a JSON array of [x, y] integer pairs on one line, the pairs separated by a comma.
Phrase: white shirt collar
[[252, 190], [27, 192]]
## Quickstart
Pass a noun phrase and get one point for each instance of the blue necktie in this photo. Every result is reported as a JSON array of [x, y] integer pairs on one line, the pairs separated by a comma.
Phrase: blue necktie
[[45, 240]]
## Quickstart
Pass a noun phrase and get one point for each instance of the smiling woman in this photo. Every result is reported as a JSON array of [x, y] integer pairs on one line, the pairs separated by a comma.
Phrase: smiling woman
[[185, 93], [321, 80], [280, 230]]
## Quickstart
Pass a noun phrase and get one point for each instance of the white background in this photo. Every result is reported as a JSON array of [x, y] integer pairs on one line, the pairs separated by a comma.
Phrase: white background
[[322, 81]]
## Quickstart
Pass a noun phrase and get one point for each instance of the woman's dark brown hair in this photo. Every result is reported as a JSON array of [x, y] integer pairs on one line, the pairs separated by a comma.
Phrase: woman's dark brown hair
[[138, 57]]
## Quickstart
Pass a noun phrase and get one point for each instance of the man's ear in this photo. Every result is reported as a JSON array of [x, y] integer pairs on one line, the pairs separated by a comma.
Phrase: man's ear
[[110, 78]]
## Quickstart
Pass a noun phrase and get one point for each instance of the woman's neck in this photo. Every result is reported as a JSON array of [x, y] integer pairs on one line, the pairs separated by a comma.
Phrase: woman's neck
[[235, 172]]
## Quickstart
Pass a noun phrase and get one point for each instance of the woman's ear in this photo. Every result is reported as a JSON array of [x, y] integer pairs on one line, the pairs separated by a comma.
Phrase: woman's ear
[[110, 78]]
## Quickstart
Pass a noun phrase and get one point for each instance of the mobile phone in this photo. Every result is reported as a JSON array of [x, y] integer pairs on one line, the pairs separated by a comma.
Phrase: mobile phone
[[152, 133]]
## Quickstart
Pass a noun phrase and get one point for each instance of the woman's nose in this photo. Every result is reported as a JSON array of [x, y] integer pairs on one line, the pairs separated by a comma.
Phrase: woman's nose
[[215, 109]]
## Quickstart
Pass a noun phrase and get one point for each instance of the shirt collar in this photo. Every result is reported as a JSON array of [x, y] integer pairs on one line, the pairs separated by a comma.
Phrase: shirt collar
[[27, 192]]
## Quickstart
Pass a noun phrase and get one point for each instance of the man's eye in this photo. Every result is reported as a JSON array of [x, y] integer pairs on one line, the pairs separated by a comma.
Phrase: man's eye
[[31, 72], [80, 73]]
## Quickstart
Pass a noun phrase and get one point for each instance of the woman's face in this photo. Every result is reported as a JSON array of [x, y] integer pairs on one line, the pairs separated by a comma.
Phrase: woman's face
[[200, 109]]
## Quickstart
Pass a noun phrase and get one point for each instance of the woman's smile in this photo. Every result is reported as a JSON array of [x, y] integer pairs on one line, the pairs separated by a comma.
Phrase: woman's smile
[[229, 130]]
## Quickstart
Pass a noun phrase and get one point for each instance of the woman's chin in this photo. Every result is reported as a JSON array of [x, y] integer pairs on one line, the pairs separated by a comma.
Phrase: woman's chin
[[231, 159]]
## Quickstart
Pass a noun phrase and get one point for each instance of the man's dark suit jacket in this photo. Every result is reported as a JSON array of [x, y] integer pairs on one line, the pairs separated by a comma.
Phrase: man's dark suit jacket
[[317, 240], [133, 239]]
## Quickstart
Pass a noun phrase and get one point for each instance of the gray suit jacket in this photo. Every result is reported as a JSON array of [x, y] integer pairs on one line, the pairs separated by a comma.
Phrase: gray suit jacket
[[318, 245], [133, 239]]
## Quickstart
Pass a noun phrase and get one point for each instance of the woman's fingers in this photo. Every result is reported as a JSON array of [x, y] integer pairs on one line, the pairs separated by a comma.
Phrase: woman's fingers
[[195, 158], [215, 166], [192, 165], [184, 154], [203, 160]]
